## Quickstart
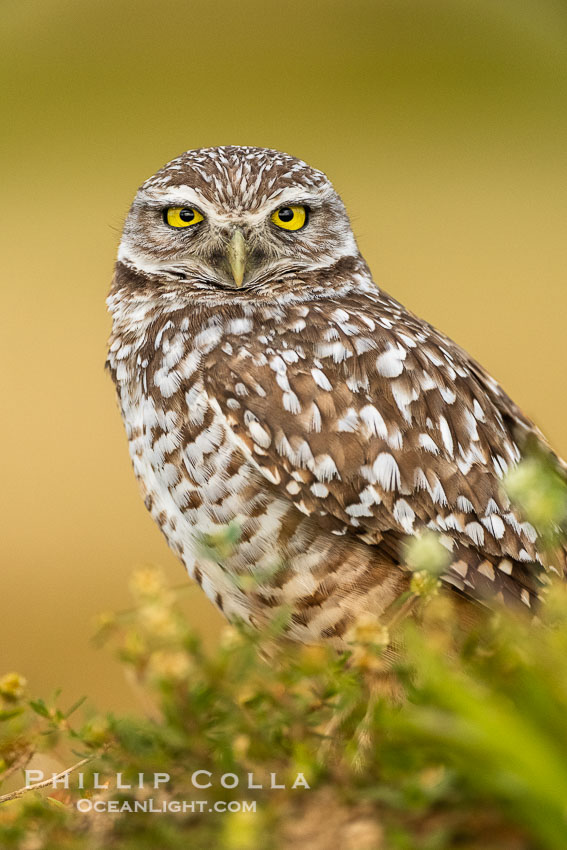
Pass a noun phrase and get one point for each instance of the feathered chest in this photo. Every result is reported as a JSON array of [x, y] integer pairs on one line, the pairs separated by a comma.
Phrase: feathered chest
[[196, 474], [180, 445], [306, 424]]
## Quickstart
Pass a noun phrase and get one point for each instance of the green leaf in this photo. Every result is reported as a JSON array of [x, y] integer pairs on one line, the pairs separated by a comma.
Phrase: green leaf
[[39, 706]]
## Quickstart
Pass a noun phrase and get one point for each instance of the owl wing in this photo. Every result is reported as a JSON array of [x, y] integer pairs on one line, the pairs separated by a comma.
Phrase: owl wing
[[376, 425]]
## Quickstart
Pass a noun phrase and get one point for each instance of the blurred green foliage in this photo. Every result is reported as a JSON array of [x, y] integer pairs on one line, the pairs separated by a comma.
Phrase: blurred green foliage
[[538, 486], [459, 742]]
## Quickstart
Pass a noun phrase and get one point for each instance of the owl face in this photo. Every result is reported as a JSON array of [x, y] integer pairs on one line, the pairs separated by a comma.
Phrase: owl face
[[235, 218]]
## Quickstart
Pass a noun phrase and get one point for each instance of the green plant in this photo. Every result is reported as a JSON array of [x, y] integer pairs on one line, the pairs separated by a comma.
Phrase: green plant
[[459, 743]]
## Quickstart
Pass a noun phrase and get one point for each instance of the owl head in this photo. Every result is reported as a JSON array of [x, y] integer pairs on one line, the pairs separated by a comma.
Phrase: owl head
[[235, 219]]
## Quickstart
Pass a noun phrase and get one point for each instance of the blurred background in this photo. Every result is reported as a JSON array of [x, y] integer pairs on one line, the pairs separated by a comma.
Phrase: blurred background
[[443, 124]]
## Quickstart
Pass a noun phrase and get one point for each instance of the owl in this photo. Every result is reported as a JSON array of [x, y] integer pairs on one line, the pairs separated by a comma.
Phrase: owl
[[276, 398]]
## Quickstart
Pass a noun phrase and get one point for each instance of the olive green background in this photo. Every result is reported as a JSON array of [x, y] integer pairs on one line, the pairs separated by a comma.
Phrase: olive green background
[[442, 124]]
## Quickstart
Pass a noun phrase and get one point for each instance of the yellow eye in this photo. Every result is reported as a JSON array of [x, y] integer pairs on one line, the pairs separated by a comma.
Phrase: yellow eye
[[290, 218], [182, 216]]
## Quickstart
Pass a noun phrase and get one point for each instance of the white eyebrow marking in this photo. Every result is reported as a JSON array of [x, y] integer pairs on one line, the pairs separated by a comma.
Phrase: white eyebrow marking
[[172, 196], [179, 196]]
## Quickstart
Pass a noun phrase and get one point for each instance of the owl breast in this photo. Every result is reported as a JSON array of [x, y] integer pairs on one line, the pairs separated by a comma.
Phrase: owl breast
[[250, 548], [199, 489]]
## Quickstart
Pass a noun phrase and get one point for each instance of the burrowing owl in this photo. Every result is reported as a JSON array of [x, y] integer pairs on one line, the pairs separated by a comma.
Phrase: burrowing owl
[[270, 387]]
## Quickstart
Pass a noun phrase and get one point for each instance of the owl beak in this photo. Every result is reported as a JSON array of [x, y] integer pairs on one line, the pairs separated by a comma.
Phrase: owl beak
[[236, 254]]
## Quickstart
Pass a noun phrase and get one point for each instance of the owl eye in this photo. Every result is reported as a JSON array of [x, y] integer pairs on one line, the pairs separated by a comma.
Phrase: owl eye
[[290, 218], [182, 216]]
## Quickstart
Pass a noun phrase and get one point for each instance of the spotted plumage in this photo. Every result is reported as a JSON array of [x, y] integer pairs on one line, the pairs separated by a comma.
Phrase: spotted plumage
[[268, 385]]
